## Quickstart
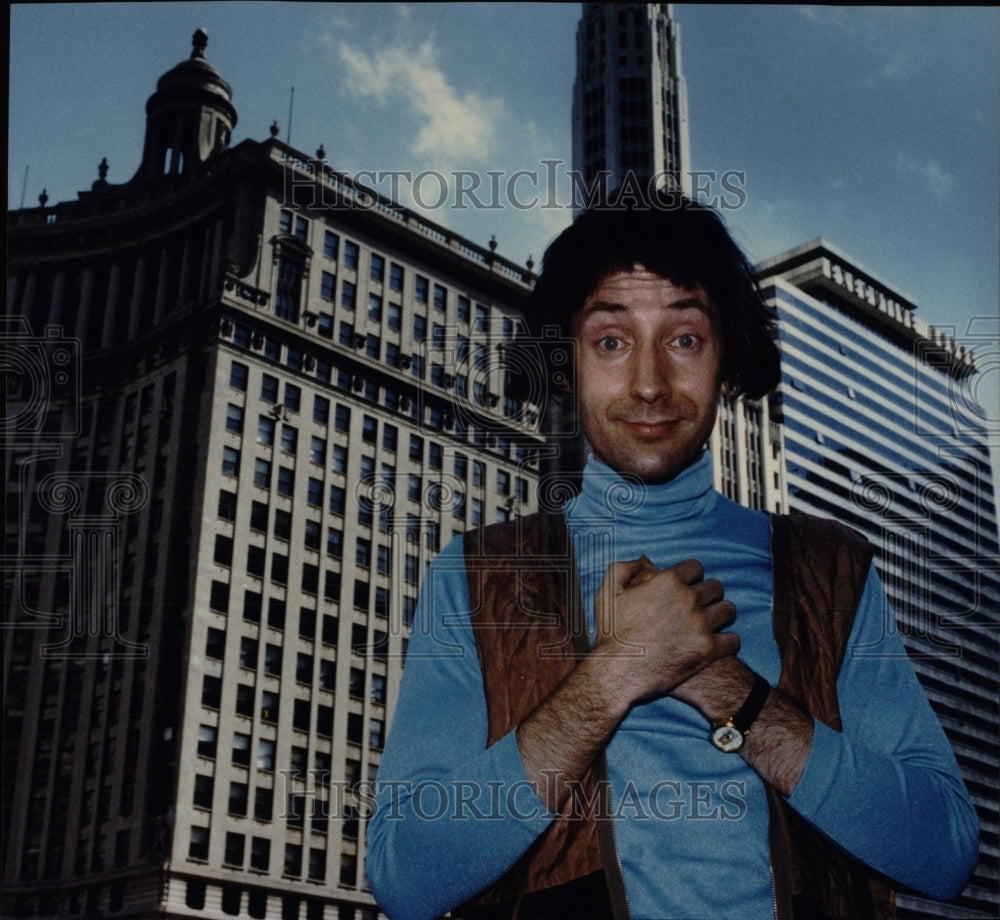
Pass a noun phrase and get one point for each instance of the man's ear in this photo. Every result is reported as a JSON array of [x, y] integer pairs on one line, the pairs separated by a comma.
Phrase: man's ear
[[726, 388]]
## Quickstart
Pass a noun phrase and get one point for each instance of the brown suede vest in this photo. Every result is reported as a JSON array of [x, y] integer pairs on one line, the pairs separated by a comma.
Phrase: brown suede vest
[[530, 633]]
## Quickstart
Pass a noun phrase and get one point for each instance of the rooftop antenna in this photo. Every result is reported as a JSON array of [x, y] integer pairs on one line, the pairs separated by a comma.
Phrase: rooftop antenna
[[291, 108], [24, 185]]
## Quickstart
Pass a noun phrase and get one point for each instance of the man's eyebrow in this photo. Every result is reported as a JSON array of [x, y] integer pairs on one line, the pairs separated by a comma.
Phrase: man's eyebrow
[[610, 306]]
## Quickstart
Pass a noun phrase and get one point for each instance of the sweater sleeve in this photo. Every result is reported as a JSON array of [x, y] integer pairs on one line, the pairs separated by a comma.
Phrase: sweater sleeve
[[450, 815], [887, 788]]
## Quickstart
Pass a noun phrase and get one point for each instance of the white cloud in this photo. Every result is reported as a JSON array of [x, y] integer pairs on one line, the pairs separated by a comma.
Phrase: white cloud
[[938, 180], [454, 127]]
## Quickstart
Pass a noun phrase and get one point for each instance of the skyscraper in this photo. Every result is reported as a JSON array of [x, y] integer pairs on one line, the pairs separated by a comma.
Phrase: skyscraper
[[250, 400], [629, 98], [880, 432]]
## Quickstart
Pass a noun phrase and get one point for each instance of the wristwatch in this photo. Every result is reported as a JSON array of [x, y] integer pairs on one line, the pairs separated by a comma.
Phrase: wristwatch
[[728, 734]]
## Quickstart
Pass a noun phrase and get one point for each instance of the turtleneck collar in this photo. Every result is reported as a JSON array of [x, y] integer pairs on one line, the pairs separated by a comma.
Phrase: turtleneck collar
[[605, 492]]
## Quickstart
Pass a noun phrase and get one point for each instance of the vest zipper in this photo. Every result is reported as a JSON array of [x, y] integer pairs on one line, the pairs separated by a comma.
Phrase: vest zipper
[[774, 893], [621, 874]]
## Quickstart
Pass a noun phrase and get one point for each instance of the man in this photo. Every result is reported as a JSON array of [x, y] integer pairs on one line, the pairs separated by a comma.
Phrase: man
[[654, 702]]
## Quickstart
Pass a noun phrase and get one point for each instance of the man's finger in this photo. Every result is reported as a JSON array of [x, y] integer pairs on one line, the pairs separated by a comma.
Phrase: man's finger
[[690, 571]]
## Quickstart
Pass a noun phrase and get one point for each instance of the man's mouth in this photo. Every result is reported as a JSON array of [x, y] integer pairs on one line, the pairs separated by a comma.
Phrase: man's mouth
[[651, 427]]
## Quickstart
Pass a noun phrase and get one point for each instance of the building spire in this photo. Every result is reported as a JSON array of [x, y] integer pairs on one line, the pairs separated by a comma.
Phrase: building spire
[[199, 42], [190, 117]]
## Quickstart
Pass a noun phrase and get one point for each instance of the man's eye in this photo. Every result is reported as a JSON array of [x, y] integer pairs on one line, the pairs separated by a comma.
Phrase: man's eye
[[610, 343], [686, 340]]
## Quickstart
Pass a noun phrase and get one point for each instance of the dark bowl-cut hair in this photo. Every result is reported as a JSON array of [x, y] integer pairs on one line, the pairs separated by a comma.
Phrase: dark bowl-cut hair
[[682, 241]]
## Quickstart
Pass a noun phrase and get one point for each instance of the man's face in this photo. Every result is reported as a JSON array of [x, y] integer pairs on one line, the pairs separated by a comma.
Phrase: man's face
[[648, 373]]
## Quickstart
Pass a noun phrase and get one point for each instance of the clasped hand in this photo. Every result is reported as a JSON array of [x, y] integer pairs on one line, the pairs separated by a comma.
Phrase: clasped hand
[[661, 630]]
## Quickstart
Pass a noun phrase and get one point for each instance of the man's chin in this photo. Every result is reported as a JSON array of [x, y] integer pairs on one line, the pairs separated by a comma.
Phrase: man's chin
[[651, 470]]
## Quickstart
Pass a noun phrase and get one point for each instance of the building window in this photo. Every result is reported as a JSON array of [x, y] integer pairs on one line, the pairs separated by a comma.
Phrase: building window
[[235, 844], [334, 542], [351, 255], [348, 296], [293, 397], [419, 327], [238, 376], [269, 388], [230, 461], [482, 318], [263, 804], [245, 699], [283, 523], [339, 458], [272, 660], [521, 486], [260, 854], [321, 410], [395, 317], [375, 308], [328, 286], [421, 287], [293, 859], [253, 602], [265, 754], [289, 439], [317, 864], [255, 561], [227, 505], [219, 597], [440, 297], [342, 418], [395, 277], [377, 268], [464, 308], [373, 346], [313, 529], [223, 550], [234, 418], [258, 517], [198, 846], [265, 430], [337, 500], [262, 473], [268, 707], [331, 243], [206, 741], [331, 586], [301, 718], [215, 643], [241, 749], [289, 289]]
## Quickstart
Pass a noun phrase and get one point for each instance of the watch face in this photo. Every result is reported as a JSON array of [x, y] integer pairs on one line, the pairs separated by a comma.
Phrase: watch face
[[727, 738]]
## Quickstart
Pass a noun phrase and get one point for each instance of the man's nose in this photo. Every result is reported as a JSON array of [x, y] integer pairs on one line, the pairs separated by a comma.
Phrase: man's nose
[[650, 373]]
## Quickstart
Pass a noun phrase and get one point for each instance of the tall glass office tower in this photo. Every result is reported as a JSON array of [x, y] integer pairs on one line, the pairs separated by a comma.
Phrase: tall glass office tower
[[629, 99], [880, 431]]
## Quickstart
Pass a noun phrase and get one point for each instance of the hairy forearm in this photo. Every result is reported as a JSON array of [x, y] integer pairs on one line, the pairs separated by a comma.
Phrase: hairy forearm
[[561, 738], [778, 744]]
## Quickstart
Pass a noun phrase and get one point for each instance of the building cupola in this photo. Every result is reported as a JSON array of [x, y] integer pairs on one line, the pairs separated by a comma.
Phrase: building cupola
[[190, 118]]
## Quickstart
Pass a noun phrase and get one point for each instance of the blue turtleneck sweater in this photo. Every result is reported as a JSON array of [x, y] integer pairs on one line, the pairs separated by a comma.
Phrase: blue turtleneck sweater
[[451, 815]]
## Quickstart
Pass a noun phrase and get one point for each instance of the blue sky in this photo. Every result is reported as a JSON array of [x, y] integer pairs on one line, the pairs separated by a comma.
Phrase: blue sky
[[877, 128]]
